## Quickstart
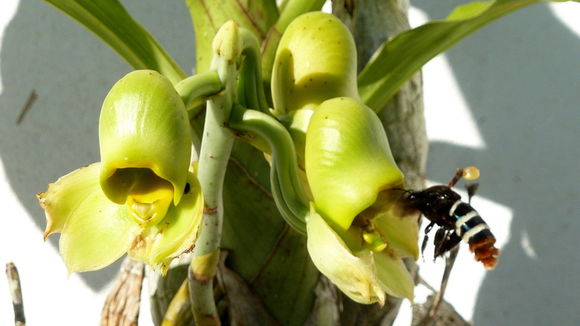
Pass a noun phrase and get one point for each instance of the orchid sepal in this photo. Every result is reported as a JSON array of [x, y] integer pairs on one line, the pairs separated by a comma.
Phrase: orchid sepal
[[145, 140], [348, 160]]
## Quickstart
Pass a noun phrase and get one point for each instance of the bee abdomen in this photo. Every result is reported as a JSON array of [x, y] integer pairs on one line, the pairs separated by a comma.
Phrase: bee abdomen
[[473, 230], [482, 245]]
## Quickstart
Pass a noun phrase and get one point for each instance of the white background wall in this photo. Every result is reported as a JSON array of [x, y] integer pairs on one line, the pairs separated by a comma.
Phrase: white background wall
[[506, 99]]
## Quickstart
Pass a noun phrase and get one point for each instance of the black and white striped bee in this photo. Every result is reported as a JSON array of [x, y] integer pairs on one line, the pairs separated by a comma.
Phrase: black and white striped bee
[[457, 220]]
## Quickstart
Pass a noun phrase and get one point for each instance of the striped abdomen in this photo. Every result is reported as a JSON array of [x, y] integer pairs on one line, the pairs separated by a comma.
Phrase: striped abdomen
[[473, 230]]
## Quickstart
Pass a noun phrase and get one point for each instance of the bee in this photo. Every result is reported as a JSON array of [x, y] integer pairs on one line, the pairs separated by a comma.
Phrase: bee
[[457, 220]]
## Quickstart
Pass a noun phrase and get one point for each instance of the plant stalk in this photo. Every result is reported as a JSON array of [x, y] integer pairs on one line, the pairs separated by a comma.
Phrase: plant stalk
[[215, 152]]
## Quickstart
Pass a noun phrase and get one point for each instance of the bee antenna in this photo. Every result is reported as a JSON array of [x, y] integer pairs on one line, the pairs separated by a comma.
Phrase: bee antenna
[[468, 173], [458, 175]]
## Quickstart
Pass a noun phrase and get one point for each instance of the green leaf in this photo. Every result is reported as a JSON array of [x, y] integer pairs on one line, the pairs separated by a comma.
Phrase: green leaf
[[398, 59], [286, 284], [262, 249], [109, 20], [209, 16]]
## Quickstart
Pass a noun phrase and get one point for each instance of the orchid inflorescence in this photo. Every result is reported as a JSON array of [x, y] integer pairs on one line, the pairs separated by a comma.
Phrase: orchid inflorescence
[[333, 176]]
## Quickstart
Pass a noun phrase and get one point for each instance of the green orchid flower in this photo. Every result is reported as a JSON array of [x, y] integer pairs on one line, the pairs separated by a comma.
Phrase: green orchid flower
[[358, 231], [143, 198], [356, 193]]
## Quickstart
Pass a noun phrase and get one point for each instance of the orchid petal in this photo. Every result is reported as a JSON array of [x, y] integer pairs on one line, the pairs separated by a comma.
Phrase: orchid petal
[[95, 231], [352, 274], [64, 196], [393, 275]]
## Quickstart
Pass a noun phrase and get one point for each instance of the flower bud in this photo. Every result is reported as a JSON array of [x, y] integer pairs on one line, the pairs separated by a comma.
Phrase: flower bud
[[315, 61], [145, 144], [348, 160]]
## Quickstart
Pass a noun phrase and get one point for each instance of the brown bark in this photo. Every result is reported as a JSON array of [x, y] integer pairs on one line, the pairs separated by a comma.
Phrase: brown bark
[[121, 307]]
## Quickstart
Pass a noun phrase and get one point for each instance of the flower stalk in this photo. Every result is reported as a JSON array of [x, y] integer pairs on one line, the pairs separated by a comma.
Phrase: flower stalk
[[287, 189], [229, 47], [195, 90], [213, 159]]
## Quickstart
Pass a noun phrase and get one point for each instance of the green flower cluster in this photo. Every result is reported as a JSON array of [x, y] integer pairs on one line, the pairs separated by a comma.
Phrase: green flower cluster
[[357, 230], [337, 181]]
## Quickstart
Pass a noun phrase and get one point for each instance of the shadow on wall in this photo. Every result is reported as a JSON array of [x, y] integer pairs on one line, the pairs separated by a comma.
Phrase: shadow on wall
[[71, 71], [521, 78]]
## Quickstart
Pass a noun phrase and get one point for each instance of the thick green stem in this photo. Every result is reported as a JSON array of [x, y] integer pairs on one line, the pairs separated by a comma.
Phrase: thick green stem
[[215, 152], [213, 159]]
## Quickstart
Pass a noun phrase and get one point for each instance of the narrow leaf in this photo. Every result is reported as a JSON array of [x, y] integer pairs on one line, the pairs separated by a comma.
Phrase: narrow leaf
[[398, 59], [109, 20]]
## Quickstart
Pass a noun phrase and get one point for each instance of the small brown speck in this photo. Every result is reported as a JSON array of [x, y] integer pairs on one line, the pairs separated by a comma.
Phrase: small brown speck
[[209, 210]]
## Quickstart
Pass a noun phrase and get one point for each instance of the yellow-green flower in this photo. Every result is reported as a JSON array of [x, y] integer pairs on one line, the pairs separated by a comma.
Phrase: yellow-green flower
[[143, 198], [357, 230]]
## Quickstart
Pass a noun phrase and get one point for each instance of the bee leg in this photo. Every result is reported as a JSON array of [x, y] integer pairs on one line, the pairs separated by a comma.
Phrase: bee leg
[[445, 241], [426, 238]]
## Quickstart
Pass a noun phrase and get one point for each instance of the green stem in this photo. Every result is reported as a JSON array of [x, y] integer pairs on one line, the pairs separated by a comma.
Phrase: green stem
[[195, 90], [250, 88], [213, 159], [287, 188]]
